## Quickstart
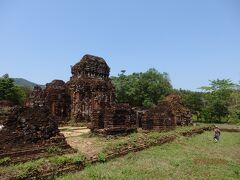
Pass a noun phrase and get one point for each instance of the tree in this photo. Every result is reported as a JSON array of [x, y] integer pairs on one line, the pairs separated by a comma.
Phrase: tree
[[142, 89], [10, 92], [192, 100], [217, 100], [234, 106]]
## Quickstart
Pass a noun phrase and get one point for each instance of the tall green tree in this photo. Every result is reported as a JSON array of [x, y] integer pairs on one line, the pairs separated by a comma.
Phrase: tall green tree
[[217, 100], [142, 89]]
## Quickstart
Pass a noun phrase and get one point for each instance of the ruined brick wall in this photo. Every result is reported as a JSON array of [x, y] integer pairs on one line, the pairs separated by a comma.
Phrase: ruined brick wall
[[57, 99], [97, 119], [91, 67], [27, 125], [159, 118], [167, 114], [182, 114], [90, 87], [120, 118], [55, 96], [5, 108], [35, 98]]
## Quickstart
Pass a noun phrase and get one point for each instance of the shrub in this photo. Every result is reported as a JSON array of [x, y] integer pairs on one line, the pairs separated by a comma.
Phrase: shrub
[[101, 157]]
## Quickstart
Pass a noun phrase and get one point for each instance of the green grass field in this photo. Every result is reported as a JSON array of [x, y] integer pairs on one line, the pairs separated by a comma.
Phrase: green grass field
[[186, 158]]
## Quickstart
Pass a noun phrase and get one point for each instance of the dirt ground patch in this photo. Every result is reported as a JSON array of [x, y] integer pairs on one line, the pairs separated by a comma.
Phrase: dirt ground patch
[[80, 139], [69, 131]]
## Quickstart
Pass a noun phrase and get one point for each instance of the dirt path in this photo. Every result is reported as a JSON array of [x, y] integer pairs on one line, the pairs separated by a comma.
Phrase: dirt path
[[79, 138], [69, 131]]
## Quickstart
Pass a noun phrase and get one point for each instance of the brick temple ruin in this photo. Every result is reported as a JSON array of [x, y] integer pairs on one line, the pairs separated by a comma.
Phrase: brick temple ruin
[[90, 87], [89, 97], [182, 114], [55, 97], [28, 132], [167, 114]]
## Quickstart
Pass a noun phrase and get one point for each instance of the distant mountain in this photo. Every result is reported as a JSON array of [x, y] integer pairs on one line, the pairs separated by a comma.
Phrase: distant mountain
[[24, 82]]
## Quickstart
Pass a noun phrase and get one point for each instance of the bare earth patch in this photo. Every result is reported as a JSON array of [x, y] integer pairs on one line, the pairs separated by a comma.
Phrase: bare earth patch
[[79, 138]]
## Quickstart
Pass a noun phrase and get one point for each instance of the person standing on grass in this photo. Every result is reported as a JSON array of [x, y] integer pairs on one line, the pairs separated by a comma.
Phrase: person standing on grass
[[217, 134]]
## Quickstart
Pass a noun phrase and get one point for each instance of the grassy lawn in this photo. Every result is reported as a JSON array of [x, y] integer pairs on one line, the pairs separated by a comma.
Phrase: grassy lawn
[[86, 145], [91, 145], [186, 158]]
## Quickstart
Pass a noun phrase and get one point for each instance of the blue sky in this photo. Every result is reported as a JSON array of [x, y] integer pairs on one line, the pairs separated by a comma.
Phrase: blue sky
[[192, 40]]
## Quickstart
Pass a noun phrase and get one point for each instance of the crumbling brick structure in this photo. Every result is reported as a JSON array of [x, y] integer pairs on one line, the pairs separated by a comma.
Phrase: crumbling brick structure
[[90, 87], [167, 114], [159, 118], [182, 114], [93, 98], [5, 108], [89, 96], [28, 127], [55, 96], [57, 99], [120, 118], [35, 98]]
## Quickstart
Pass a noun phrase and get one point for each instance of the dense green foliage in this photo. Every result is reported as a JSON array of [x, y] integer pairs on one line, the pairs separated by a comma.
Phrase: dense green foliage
[[142, 89], [217, 97], [219, 102], [9, 91]]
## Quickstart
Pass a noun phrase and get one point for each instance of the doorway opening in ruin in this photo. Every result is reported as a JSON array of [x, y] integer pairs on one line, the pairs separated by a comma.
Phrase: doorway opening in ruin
[[139, 119], [140, 122], [101, 121], [119, 119], [150, 124]]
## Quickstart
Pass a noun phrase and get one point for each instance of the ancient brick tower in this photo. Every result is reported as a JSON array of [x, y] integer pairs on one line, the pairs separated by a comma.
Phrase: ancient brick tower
[[90, 87]]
